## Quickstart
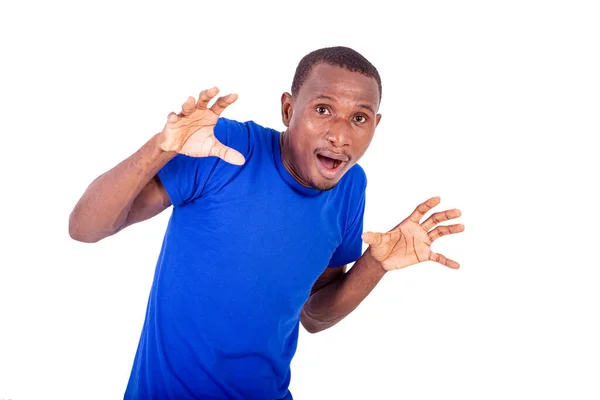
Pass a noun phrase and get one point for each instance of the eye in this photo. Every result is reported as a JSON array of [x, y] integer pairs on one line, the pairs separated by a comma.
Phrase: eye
[[360, 119], [322, 110]]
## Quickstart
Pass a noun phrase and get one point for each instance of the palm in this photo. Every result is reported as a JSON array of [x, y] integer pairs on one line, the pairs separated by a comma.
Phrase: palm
[[191, 132], [197, 135], [406, 243], [410, 242]]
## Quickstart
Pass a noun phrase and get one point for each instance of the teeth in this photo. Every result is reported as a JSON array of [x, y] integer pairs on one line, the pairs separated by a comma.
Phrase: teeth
[[329, 163]]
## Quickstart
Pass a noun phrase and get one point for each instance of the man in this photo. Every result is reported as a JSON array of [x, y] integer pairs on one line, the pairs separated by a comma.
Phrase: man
[[262, 228]]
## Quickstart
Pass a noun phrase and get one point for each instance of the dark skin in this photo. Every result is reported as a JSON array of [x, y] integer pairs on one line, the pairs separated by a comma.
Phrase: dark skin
[[334, 111], [131, 192], [333, 117]]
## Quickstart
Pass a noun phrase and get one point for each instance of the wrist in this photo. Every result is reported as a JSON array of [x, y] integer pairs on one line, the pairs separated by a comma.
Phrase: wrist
[[158, 141], [373, 263]]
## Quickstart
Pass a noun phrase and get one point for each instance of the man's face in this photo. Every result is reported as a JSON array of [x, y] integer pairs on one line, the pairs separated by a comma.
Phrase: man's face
[[331, 122]]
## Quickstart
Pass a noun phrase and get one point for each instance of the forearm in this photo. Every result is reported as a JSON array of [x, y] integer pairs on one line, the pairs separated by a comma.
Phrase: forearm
[[335, 301], [105, 205]]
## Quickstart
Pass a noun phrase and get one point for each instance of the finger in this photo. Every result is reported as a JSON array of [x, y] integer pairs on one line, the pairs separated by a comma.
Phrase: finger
[[423, 208], [440, 217], [372, 238], [188, 107], [443, 260], [205, 97], [223, 102], [445, 230], [172, 117], [227, 154]]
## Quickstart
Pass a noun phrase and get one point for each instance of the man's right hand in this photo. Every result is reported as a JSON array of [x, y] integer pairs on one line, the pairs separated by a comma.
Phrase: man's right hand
[[191, 132]]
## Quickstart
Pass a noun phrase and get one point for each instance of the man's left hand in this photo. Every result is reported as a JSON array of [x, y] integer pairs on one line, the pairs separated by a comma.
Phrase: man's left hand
[[410, 242]]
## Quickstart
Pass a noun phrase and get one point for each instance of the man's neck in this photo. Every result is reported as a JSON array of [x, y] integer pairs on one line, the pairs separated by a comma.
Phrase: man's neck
[[286, 158]]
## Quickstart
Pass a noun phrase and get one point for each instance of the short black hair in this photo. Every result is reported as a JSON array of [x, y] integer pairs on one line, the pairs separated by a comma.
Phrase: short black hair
[[338, 56]]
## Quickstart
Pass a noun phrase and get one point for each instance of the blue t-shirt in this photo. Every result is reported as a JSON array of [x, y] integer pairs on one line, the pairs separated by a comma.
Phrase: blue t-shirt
[[243, 248]]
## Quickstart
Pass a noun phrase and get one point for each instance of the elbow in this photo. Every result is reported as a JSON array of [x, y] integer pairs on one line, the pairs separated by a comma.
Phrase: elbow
[[81, 237], [78, 234], [310, 328], [310, 324]]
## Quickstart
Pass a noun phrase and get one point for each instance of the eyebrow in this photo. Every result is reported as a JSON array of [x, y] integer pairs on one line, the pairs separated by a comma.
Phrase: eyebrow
[[325, 97]]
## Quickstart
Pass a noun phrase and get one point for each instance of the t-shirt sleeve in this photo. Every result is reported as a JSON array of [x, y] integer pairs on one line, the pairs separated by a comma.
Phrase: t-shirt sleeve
[[185, 178], [351, 247]]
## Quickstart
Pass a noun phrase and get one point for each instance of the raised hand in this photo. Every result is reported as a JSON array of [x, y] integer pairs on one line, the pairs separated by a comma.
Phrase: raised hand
[[410, 242], [191, 132]]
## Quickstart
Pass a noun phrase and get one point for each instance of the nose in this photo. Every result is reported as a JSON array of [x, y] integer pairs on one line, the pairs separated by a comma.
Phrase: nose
[[339, 133]]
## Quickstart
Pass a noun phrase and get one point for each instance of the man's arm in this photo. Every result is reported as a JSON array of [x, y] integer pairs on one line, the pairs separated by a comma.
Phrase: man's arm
[[128, 193], [337, 293], [131, 192], [407, 244]]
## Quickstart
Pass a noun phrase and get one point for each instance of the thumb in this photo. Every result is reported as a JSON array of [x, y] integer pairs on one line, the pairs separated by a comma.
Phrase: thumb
[[372, 238], [172, 117], [227, 154]]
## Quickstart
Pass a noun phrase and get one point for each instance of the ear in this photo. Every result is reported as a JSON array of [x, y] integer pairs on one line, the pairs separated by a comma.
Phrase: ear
[[286, 109], [377, 119]]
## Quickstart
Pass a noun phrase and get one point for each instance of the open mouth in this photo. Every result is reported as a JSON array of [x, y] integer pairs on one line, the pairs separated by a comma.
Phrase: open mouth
[[329, 167], [329, 163]]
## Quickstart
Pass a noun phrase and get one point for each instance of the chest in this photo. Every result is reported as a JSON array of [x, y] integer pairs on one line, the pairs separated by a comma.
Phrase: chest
[[267, 239]]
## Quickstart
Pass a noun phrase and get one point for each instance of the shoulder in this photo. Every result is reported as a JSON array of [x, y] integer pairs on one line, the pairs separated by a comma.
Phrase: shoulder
[[351, 198], [354, 181], [241, 135], [350, 192], [358, 174], [235, 127]]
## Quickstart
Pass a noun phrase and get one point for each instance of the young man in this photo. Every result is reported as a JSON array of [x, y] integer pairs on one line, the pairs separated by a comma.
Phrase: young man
[[262, 228]]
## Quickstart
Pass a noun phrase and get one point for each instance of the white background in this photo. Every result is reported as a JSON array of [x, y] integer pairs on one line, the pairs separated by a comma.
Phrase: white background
[[493, 106]]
